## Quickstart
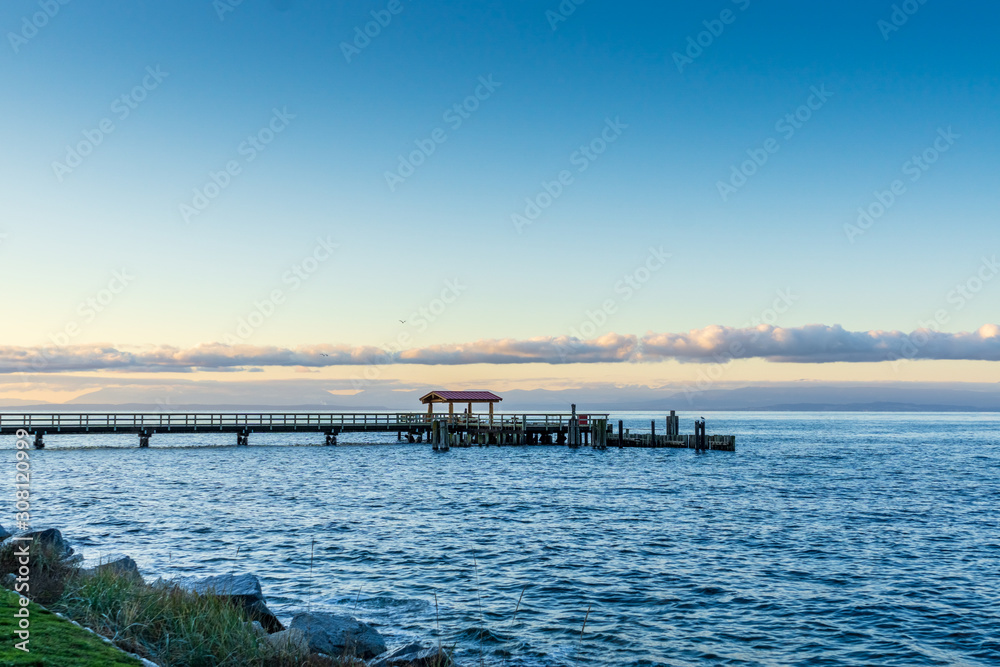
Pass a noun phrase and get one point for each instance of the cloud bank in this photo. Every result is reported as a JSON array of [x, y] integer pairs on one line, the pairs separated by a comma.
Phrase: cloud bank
[[715, 344]]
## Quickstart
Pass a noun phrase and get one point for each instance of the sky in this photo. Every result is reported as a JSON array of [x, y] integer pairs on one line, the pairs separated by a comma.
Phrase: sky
[[516, 194]]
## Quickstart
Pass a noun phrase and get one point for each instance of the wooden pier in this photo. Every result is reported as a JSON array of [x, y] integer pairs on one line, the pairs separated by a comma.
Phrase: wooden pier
[[441, 431]]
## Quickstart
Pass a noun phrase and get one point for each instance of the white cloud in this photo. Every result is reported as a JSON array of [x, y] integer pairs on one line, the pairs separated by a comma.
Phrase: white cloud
[[808, 344]]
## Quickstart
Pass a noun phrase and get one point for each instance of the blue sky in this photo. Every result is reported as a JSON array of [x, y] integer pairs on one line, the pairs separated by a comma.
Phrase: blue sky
[[656, 186]]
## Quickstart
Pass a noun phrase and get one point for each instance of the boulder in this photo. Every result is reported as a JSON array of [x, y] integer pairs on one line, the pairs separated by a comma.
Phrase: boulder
[[243, 590], [258, 629], [415, 655], [338, 635], [4, 533], [289, 641], [51, 537], [117, 563]]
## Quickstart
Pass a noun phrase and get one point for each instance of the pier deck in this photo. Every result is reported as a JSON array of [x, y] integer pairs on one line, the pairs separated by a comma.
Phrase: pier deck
[[443, 431]]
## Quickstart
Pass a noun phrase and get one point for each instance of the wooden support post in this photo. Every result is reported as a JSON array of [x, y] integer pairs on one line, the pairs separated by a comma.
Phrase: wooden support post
[[451, 412], [573, 430], [599, 440], [143, 439], [621, 434], [39, 440], [700, 439], [491, 413], [440, 435]]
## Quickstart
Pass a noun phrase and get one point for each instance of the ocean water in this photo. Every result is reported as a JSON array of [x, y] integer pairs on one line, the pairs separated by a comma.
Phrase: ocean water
[[826, 539]]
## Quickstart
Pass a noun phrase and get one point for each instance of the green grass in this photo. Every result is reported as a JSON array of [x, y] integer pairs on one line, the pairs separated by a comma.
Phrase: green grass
[[170, 626], [163, 623], [55, 642]]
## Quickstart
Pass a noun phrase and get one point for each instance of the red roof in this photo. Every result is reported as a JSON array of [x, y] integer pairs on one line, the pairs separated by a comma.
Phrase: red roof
[[460, 397]]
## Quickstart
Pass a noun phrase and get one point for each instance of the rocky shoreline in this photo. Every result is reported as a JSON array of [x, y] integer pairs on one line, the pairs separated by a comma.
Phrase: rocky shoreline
[[322, 636]]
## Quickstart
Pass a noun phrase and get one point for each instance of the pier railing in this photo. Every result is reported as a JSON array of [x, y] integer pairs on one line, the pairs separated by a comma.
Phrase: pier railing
[[334, 420], [31, 421]]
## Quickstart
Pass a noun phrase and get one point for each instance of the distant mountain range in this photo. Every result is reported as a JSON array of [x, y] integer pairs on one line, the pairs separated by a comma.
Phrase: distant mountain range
[[804, 396]]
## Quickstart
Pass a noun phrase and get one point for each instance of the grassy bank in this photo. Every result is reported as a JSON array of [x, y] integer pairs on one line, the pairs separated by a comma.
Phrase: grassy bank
[[55, 642], [163, 623], [166, 624]]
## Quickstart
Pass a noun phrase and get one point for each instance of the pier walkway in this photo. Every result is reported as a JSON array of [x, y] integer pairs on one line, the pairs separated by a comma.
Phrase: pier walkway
[[442, 431]]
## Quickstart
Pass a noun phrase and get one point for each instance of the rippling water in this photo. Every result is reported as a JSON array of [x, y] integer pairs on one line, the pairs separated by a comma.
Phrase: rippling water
[[826, 539]]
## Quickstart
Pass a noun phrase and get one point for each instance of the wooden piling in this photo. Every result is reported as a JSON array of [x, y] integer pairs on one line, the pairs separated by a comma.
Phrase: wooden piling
[[600, 433]]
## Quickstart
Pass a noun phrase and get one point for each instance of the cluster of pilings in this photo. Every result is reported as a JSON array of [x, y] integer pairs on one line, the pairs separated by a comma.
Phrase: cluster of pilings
[[699, 441], [577, 432]]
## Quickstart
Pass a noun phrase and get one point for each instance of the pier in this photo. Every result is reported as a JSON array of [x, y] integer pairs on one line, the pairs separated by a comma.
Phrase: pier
[[466, 429], [442, 432]]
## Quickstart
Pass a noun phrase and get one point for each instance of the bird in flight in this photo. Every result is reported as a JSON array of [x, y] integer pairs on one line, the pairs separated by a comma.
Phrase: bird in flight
[[402, 321], [323, 354]]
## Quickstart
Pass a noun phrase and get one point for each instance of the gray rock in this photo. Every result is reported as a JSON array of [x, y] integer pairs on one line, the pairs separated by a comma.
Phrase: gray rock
[[338, 635], [243, 590], [51, 537], [289, 641], [415, 655], [241, 585], [258, 629], [117, 563], [4, 533]]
